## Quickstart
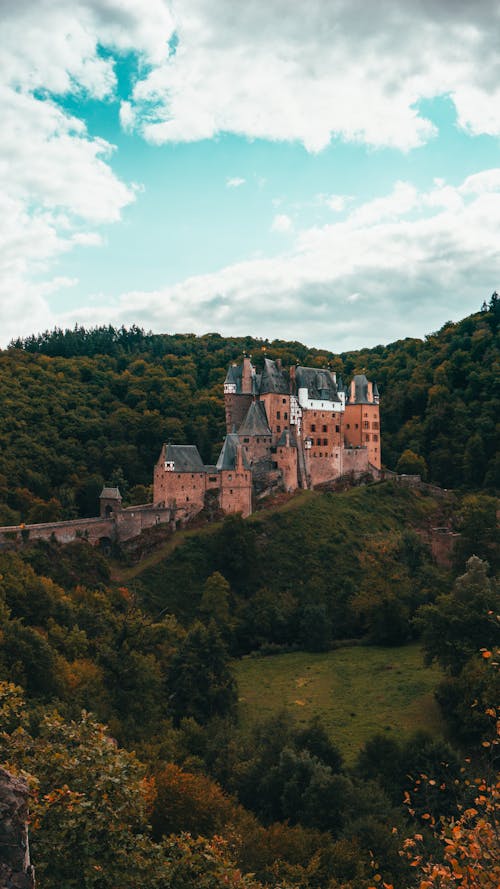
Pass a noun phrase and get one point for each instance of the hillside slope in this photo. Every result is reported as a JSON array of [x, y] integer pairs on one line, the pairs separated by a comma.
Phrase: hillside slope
[[335, 566]]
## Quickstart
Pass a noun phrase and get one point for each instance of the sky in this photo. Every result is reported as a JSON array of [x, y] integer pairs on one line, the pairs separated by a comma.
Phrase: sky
[[326, 171]]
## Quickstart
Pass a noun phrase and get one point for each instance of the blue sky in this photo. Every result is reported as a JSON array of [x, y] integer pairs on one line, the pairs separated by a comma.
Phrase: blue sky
[[308, 171]]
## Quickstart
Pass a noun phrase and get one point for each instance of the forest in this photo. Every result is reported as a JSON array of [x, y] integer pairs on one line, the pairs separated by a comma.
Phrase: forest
[[79, 408], [118, 693]]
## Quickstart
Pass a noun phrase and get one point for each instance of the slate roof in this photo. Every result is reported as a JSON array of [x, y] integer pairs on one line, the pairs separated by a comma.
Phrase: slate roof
[[282, 442], [110, 494], [273, 379], [186, 458], [227, 457], [255, 422], [234, 375], [320, 384], [360, 390], [375, 391]]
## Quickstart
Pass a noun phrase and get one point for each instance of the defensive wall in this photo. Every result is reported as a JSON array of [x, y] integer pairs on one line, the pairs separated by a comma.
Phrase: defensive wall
[[120, 525]]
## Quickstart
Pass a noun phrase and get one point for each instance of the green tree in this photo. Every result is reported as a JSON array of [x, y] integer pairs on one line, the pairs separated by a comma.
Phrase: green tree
[[460, 623], [215, 598], [199, 681], [410, 463], [479, 532]]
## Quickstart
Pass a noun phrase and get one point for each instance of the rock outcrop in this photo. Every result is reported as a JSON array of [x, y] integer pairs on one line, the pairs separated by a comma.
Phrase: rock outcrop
[[16, 871]]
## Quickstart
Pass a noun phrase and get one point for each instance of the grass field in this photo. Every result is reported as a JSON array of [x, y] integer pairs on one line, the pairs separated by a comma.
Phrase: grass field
[[357, 691]]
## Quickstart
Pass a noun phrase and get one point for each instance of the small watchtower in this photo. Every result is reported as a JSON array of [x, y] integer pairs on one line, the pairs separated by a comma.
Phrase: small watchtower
[[110, 502]]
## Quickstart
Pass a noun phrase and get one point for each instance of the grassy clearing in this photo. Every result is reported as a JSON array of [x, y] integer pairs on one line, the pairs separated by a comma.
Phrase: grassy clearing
[[357, 691]]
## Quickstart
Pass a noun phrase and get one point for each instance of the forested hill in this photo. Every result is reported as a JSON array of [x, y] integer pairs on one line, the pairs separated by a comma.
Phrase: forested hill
[[81, 407]]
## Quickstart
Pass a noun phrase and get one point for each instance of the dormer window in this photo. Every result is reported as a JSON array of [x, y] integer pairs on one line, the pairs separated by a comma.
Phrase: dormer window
[[169, 465]]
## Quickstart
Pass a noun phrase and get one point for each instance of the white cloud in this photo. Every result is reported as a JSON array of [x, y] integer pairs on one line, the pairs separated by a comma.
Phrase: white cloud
[[312, 70], [55, 178], [398, 265], [235, 182], [336, 202], [281, 223]]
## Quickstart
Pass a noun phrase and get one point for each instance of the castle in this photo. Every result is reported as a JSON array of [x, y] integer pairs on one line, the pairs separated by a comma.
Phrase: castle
[[286, 429]]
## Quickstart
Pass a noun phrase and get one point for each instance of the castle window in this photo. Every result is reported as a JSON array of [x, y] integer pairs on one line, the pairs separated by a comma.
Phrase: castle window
[[278, 415], [278, 428], [324, 429], [246, 440], [375, 437], [285, 416], [230, 490], [284, 401], [318, 441], [325, 441], [187, 498], [348, 426], [356, 425], [374, 425], [366, 424], [313, 427], [320, 454], [212, 478], [230, 476], [337, 428]]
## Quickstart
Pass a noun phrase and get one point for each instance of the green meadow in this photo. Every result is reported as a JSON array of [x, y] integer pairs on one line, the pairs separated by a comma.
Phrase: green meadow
[[357, 691]]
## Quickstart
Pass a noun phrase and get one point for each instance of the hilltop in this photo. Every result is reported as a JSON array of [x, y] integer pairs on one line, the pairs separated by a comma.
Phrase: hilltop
[[80, 408]]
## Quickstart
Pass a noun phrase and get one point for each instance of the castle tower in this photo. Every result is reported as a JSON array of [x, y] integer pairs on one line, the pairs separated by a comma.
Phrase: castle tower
[[110, 502], [362, 418], [239, 387]]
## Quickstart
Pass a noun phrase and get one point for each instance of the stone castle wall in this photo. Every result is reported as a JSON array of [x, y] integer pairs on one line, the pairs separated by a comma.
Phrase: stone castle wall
[[122, 525]]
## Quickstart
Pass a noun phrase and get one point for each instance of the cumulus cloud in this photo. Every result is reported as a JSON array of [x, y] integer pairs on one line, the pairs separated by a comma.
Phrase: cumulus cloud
[[336, 202], [393, 265], [281, 223], [313, 70], [235, 182], [55, 178]]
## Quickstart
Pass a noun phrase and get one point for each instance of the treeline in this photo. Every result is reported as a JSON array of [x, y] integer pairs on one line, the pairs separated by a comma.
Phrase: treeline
[[82, 407]]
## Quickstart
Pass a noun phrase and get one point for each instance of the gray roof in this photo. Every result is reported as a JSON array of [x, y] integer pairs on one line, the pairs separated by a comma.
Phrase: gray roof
[[185, 458], [227, 456], [110, 494], [360, 390], [375, 391], [273, 379], [255, 422], [234, 374], [320, 384], [282, 441]]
